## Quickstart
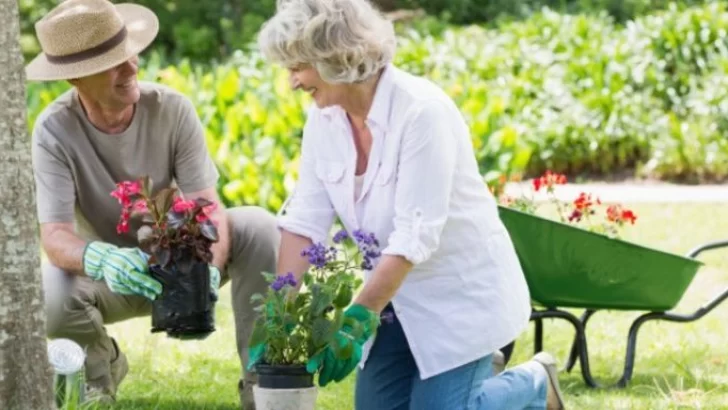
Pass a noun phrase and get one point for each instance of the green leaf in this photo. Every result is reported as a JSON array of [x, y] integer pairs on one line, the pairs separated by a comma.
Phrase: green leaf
[[175, 220], [209, 230], [320, 300], [259, 334], [321, 331], [163, 200], [343, 297]]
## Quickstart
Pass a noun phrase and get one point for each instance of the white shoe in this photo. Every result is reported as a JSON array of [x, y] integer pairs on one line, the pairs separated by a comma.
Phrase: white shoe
[[554, 399], [499, 362]]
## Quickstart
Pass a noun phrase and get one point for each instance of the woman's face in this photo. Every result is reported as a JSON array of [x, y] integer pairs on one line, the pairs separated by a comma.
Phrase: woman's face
[[306, 78]]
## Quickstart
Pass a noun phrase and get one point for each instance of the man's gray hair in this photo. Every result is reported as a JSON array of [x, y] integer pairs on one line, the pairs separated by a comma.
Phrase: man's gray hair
[[347, 41]]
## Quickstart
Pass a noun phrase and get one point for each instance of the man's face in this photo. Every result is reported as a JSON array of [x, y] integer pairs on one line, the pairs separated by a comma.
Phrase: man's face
[[115, 88]]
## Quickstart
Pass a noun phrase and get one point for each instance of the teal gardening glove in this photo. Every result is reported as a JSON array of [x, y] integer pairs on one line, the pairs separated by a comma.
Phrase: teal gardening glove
[[125, 270], [348, 338]]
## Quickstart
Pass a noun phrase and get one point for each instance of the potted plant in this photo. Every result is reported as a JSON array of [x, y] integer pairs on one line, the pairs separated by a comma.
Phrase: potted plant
[[177, 234], [297, 321]]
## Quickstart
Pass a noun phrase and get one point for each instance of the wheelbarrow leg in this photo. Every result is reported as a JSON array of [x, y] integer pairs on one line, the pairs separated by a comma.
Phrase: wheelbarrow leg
[[580, 339], [538, 336], [574, 346]]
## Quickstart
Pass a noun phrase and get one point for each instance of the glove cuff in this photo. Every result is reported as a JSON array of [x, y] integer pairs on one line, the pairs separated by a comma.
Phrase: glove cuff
[[93, 258], [368, 319]]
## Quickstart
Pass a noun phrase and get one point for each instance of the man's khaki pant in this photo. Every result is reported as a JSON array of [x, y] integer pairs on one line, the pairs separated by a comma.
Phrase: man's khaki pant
[[79, 307]]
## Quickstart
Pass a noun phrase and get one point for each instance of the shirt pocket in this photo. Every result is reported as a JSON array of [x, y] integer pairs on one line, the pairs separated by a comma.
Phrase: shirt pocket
[[386, 174], [330, 172]]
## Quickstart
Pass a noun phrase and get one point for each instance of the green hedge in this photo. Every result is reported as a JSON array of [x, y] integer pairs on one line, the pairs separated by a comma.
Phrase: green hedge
[[213, 29], [575, 94]]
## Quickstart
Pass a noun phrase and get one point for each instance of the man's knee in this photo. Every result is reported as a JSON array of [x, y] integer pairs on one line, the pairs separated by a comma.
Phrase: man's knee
[[57, 289], [252, 226]]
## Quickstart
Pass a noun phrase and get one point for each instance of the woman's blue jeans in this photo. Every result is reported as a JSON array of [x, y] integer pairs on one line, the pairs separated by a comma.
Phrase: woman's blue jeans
[[390, 380]]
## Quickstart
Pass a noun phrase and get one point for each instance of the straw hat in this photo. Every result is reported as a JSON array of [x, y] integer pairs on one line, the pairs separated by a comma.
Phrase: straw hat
[[85, 37]]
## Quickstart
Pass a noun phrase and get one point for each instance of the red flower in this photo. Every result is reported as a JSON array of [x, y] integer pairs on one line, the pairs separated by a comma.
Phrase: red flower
[[140, 206], [548, 180], [584, 202], [617, 214], [125, 190], [182, 205], [123, 225], [575, 216]]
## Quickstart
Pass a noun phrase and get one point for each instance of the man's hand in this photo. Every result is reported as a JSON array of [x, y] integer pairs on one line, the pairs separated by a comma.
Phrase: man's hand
[[125, 270], [359, 325]]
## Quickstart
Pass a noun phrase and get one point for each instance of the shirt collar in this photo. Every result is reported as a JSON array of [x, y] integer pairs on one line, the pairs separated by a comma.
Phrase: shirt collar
[[379, 112], [381, 105]]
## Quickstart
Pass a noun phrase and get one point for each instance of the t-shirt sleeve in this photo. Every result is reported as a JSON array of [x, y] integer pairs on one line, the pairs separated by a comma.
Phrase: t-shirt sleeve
[[54, 185], [194, 169]]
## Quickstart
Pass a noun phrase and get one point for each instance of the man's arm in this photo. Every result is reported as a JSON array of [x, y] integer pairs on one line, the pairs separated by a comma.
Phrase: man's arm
[[63, 247], [220, 249]]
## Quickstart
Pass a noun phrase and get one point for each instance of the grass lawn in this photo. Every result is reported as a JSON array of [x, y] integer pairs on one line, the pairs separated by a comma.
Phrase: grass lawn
[[677, 366]]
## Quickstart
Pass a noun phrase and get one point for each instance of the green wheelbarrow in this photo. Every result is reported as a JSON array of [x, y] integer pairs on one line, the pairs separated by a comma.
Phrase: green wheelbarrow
[[569, 267]]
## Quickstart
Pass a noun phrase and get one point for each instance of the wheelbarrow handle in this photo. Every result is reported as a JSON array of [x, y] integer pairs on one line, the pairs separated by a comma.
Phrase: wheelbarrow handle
[[707, 247]]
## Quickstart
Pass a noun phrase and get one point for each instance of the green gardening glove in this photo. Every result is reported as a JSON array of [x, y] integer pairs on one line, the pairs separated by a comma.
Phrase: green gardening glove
[[125, 270], [359, 325]]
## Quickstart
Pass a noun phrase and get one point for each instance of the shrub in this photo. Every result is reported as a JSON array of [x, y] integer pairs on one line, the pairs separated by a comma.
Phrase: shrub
[[573, 94]]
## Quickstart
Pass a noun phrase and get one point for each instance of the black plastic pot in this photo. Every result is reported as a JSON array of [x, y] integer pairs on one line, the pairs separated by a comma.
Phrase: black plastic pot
[[283, 376], [186, 307]]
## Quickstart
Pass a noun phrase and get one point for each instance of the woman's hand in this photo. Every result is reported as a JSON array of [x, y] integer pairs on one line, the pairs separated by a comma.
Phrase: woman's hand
[[337, 361]]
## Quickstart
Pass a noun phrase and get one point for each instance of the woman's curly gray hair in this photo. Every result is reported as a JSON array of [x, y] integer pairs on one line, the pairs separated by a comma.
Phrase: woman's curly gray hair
[[347, 41]]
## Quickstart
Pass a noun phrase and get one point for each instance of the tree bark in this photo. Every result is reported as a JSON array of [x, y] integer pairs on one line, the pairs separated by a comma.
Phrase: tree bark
[[26, 378]]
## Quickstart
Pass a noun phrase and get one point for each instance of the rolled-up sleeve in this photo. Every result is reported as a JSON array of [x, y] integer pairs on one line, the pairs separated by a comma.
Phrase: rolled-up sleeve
[[424, 183], [308, 210]]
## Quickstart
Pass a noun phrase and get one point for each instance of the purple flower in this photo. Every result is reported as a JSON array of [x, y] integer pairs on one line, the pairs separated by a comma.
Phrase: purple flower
[[387, 317], [341, 236], [318, 255], [364, 239], [282, 281], [369, 247]]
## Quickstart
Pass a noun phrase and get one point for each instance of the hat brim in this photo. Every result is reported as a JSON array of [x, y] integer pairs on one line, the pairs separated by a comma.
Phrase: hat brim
[[142, 28]]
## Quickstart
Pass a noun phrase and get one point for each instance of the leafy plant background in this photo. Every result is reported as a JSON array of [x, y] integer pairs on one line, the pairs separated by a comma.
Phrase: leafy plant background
[[583, 94]]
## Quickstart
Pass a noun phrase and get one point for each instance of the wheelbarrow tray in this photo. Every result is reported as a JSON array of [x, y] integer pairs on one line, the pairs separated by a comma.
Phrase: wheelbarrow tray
[[567, 266]]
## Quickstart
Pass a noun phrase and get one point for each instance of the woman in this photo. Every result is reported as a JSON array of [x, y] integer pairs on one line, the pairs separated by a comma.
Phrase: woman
[[389, 153]]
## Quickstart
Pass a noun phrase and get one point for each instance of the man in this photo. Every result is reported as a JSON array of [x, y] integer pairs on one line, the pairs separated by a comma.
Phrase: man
[[110, 128]]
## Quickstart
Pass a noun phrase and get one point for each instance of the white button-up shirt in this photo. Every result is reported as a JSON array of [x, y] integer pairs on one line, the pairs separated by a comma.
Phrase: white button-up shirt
[[425, 200]]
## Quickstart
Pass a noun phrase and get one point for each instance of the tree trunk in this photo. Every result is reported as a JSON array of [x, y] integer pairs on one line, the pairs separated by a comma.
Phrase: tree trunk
[[26, 377]]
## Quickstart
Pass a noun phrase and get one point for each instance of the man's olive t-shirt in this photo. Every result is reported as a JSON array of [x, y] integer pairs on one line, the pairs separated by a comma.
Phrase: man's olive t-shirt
[[77, 166]]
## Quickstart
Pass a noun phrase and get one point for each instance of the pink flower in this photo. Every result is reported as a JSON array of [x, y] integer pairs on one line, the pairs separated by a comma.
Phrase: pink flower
[[123, 225], [140, 206], [182, 205], [209, 209], [124, 190]]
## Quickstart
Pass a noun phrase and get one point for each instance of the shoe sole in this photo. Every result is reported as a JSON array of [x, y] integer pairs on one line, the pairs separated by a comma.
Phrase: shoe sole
[[549, 363], [498, 362]]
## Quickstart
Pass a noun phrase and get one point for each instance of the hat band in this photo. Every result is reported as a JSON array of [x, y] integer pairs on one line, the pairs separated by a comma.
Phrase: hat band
[[92, 52]]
